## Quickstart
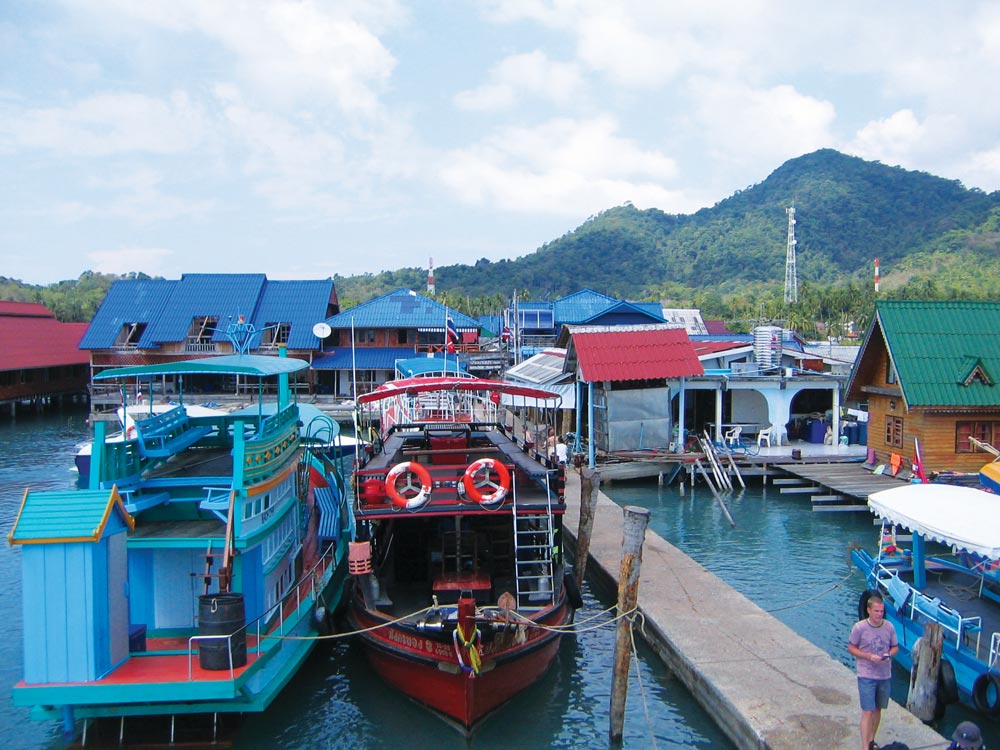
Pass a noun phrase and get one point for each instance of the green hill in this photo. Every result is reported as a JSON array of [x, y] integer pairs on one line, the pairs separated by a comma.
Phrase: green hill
[[849, 212]]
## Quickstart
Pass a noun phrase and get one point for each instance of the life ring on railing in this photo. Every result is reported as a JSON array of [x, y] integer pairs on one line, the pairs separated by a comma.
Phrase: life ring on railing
[[500, 486], [986, 693], [422, 490], [130, 432]]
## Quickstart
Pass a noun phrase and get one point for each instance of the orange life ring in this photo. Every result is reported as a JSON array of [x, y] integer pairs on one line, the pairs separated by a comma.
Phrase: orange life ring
[[500, 487], [130, 432], [423, 489]]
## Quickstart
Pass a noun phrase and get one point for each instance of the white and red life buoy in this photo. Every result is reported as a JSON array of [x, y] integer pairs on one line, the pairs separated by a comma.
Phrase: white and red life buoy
[[412, 495], [474, 485]]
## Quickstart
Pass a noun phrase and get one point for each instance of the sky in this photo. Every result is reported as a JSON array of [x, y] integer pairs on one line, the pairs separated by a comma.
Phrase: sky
[[306, 139]]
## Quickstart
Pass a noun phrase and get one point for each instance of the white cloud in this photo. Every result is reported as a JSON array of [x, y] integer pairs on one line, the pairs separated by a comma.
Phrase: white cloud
[[740, 124], [890, 139], [517, 76], [150, 260], [106, 125], [288, 51], [563, 167]]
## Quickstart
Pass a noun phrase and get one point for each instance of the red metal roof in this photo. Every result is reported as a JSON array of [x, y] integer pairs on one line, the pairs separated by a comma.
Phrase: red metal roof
[[30, 337], [635, 353], [704, 348]]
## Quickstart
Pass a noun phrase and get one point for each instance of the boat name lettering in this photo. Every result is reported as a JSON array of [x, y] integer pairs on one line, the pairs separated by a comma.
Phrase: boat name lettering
[[419, 644]]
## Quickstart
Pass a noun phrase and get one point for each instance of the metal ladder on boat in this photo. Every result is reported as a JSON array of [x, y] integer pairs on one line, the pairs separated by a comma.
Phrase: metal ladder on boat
[[534, 539]]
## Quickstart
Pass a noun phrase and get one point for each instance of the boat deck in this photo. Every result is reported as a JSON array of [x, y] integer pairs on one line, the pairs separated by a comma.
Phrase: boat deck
[[197, 462]]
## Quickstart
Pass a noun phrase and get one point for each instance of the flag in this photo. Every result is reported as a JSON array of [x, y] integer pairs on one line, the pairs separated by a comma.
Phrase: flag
[[451, 334], [506, 335], [918, 462]]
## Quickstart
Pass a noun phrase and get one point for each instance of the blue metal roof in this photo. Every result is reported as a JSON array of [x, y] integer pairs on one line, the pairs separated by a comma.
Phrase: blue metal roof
[[302, 304], [626, 313], [414, 366], [363, 358], [402, 308], [127, 301], [169, 307], [580, 306]]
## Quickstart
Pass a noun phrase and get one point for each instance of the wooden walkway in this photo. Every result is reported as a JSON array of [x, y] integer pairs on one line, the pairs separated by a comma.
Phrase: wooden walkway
[[846, 485]]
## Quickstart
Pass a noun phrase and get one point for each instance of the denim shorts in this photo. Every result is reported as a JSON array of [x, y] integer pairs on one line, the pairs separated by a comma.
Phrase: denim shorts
[[874, 693]]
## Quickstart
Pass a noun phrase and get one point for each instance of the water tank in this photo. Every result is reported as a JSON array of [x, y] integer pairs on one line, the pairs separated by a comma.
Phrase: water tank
[[767, 346]]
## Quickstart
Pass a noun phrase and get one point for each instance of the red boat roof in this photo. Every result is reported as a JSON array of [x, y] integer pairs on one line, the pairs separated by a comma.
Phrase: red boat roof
[[424, 385]]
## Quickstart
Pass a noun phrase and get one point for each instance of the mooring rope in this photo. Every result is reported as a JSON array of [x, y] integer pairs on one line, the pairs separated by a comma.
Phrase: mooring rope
[[638, 674], [821, 594], [333, 636]]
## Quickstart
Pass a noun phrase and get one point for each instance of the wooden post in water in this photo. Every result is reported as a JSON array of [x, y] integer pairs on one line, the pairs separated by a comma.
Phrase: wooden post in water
[[634, 532], [590, 485], [922, 700]]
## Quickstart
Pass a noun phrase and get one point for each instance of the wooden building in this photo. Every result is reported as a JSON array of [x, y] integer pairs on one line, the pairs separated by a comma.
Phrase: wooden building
[[930, 374], [41, 357]]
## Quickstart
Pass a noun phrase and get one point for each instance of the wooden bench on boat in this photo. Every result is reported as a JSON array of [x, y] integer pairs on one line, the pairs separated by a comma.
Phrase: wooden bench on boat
[[168, 433]]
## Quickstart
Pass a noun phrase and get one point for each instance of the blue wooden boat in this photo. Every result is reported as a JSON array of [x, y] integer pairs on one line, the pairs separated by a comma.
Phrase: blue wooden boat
[[194, 572], [949, 575]]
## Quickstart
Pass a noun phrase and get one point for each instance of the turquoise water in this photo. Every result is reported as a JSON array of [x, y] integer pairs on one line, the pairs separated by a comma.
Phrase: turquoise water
[[789, 560], [334, 702]]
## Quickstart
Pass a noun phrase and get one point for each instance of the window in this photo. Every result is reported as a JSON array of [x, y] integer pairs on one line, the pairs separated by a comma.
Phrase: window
[[275, 334], [403, 336], [199, 338], [894, 431], [128, 337], [986, 432], [890, 371], [364, 336]]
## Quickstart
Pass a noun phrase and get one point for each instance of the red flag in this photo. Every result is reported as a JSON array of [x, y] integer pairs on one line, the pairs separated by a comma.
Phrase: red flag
[[918, 462]]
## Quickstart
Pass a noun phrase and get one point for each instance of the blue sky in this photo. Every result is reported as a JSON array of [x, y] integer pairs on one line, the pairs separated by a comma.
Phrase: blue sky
[[304, 139]]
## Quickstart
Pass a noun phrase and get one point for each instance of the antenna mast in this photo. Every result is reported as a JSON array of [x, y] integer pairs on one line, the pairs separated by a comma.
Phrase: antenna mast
[[791, 278], [430, 277]]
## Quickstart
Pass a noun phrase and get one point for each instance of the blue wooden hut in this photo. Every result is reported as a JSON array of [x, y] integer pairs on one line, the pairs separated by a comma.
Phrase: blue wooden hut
[[74, 584]]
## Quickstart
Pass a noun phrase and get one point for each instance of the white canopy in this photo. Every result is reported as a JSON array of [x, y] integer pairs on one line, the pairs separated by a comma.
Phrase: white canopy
[[964, 517]]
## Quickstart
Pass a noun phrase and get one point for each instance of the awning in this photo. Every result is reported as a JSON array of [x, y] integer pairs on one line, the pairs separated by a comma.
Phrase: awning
[[964, 517], [252, 365], [423, 385]]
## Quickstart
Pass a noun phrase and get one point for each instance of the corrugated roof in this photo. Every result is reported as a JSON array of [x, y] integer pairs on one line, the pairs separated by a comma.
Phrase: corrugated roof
[[935, 347], [580, 306], [302, 304], [169, 307], [543, 368], [626, 313], [402, 308], [363, 358], [71, 516], [624, 353], [31, 338]]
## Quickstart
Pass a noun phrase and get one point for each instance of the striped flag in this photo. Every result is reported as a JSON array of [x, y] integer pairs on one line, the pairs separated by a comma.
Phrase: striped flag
[[452, 334]]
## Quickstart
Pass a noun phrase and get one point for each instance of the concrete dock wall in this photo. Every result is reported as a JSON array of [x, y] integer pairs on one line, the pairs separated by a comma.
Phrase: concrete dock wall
[[764, 685]]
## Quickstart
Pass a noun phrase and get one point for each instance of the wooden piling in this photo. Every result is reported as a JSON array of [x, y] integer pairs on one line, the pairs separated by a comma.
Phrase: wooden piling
[[590, 487], [633, 535], [922, 700]]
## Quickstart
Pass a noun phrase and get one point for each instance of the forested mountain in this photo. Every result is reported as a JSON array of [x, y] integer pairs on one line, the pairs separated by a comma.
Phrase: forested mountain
[[935, 240], [849, 212]]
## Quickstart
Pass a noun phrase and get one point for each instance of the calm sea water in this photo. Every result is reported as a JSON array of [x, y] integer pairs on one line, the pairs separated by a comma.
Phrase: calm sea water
[[334, 702], [791, 561]]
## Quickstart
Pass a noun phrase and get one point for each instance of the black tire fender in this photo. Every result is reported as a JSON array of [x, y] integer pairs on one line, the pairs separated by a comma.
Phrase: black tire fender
[[986, 693], [947, 687], [572, 589]]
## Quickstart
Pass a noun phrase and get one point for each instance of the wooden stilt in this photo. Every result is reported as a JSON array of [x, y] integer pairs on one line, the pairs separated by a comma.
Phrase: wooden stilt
[[922, 699]]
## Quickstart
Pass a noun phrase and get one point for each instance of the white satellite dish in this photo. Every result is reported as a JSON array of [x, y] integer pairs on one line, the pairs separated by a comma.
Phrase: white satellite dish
[[322, 330]]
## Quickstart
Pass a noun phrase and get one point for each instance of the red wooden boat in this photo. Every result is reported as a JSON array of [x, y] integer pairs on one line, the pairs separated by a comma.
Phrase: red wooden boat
[[460, 588]]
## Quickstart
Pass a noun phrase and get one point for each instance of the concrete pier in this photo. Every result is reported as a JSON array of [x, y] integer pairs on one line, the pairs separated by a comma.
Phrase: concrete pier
[[765, 686]]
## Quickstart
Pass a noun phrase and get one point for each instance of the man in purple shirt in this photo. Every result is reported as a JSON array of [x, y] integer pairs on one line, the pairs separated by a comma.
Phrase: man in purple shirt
[[873, 642]]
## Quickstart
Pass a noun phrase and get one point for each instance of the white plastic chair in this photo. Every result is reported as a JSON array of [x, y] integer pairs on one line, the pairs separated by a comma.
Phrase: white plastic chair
[[764, 436], [732, 437]]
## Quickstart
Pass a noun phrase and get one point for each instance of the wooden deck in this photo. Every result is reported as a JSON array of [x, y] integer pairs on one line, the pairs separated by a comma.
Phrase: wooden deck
[[835, 486]]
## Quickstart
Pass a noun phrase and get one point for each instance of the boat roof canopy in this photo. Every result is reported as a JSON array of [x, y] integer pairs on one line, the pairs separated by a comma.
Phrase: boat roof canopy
[[964, 517], [252, 365], [425, 385]]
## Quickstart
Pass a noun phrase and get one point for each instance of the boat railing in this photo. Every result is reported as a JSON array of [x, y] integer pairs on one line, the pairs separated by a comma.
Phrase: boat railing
[[994, 651], [934, 610], [306, 589]]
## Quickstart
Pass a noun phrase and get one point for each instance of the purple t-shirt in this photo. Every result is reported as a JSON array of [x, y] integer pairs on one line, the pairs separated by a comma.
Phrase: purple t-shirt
[[873, 640]]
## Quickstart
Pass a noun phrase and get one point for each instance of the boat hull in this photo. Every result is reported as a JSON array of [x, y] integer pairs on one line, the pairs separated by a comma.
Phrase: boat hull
[[425, 667]]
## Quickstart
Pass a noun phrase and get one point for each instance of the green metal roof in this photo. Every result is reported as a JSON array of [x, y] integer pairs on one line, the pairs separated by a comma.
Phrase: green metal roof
[[252, 365], [70, 516], [946, 353]]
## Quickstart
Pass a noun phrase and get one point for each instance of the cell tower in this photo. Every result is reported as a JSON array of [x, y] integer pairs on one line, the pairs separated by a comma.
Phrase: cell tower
[[791, 277], [430, 277]]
